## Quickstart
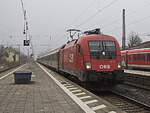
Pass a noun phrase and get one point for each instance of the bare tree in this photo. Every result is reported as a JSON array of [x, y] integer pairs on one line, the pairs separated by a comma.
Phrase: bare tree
[[3, 53], [134, 39]]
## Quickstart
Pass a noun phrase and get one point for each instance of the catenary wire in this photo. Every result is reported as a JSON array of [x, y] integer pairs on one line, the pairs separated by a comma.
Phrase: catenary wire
[[117, 20], [82, 13], [99, 11], [132, 23]]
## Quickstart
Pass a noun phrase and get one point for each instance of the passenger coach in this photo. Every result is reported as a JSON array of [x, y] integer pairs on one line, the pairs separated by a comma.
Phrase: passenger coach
[[136, 58]]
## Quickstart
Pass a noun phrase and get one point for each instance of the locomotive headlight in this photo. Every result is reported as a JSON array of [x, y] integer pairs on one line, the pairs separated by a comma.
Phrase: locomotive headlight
[[88, 65], [119, 65]]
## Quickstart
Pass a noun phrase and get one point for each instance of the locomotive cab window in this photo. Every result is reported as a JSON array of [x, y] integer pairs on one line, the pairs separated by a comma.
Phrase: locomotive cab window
[[102, 49]]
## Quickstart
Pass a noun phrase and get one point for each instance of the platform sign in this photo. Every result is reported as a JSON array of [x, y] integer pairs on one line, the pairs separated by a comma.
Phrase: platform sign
[[26, 42]]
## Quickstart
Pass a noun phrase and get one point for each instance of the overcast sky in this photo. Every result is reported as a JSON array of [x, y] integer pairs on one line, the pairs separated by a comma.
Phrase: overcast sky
[[53, 17]]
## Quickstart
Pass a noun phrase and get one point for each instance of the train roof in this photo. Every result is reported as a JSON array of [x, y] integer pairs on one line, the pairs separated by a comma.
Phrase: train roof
[[98, 37], [89, 37], [50, 52], [82, 38], [96, 33], [136, 50]]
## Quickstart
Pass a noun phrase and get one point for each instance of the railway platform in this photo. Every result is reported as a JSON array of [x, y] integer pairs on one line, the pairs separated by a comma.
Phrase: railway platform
[[46, 93], [137, 72], [138, 78]]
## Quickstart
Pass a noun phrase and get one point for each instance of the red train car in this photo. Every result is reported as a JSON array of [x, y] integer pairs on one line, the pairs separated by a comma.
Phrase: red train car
[[136, 58], [91, 58]]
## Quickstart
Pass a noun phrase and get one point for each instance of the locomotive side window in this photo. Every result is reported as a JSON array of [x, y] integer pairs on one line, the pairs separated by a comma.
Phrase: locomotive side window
[[102, 49], [79, 49]]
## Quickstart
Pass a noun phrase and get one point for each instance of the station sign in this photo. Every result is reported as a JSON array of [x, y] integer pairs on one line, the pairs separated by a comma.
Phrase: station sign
[[26, 42]]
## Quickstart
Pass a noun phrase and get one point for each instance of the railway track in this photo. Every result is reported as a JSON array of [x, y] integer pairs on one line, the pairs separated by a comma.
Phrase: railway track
[[126, 104], [8, 68]]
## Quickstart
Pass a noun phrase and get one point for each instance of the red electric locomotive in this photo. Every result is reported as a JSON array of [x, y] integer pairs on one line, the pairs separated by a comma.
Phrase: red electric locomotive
[[136, 58], [91, 58]]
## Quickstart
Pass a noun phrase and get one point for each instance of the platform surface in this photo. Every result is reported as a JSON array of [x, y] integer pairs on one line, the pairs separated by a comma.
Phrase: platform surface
[[42, 95], [138, 72]]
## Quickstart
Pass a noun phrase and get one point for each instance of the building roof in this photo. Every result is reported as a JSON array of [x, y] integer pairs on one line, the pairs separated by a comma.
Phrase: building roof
[[143, 45]]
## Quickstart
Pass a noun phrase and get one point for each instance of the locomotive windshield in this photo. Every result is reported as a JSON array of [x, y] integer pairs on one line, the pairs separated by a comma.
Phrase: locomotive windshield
[[102, 49]]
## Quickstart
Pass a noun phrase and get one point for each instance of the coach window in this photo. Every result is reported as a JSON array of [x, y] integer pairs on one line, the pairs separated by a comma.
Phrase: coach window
[[139, 57], [143, 57], [148, 57], [134, 57], [52, 57], [130, 57]]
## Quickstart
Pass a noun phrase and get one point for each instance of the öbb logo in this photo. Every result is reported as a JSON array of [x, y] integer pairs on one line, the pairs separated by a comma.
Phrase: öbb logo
[[104, 66]]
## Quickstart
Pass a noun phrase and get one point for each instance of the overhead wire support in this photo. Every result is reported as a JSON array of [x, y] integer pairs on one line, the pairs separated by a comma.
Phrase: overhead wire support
[[22, 7], [26, 29], [25, 20]]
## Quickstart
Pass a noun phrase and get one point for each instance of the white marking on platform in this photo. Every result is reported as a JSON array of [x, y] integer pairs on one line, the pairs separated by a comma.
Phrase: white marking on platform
[[84, 97], [69, 86], [112, 112], [80, 94], [76, 91], [11, 72], [66, 82], [86, 108], [90, 101], [98, 107], [72, 88]]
